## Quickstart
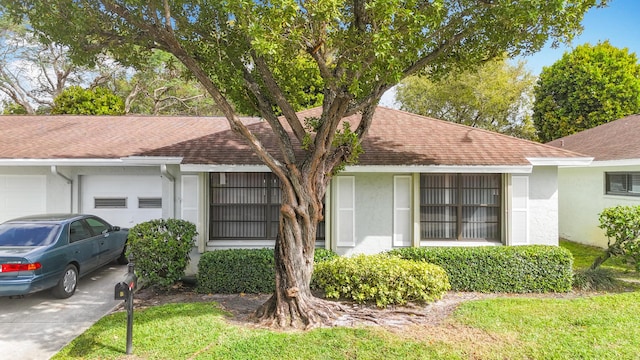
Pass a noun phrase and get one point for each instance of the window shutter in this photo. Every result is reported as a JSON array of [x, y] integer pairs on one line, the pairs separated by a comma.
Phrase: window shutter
[[519, 210], [345, 219], [402, 210]]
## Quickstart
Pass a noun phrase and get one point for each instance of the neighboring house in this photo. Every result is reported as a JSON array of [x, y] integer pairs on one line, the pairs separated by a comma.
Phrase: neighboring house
[[420, 181], [613, 178]]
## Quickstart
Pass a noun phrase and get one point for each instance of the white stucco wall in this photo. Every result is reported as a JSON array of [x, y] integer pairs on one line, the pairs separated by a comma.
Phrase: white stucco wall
[[582, 198], [543, 205]]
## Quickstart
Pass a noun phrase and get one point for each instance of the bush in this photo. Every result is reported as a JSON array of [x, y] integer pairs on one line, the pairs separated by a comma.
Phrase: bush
[[598, 279], [160, 249], [621, 224], [242, 270], [381, 278], [515, 269]]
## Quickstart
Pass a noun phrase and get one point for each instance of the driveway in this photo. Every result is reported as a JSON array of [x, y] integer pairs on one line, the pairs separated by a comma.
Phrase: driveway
[[39, 325]]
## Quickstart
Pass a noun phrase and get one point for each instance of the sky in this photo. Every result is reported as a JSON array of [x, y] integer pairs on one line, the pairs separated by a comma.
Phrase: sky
[[619, 23]]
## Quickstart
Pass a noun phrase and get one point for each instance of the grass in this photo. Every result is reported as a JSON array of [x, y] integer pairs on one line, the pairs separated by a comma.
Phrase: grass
[[584, 255], [598, 327], [199, 331], [591, 327]]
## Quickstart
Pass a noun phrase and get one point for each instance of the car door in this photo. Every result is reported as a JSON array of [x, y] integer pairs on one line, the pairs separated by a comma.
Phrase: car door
[[109, 246], [83, 246]]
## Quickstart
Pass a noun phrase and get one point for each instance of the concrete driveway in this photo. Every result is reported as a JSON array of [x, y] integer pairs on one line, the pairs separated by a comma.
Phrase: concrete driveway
[[39, 325]]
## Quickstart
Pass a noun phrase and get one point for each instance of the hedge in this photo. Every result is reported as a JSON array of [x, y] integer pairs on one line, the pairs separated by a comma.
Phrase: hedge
[[160, 249], [382, 279], [513, 269], [249, 271]]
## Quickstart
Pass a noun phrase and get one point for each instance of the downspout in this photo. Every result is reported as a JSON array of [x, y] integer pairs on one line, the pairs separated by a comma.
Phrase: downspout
[[165, 173], [55, 172]]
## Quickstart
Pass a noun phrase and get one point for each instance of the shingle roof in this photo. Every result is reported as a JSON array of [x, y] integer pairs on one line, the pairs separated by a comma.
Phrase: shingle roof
[[615, 140], [395, 138]]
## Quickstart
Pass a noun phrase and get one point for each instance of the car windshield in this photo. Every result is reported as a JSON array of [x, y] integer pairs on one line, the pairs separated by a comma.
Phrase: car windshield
[[27, 234]]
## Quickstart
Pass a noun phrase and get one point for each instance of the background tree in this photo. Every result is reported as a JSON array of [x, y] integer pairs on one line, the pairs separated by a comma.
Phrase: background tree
[[496, 96], [246, 52], [32, 72], [587, 87], [162, 86], [79, 101]]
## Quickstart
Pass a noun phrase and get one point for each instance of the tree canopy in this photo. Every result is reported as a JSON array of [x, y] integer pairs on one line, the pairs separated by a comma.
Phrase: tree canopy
[[261, 53], [78, 101], [496, 96], [587, 87]]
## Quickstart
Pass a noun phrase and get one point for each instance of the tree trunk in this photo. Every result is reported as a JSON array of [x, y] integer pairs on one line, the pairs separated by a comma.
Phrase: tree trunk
[[293, 304], [600, 260]]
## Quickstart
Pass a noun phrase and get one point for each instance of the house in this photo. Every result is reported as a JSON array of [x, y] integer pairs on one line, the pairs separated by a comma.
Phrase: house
[[420, 181], [613, 178]]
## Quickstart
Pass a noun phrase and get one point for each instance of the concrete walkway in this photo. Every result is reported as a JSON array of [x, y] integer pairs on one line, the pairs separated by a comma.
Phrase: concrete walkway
[[39, 325]]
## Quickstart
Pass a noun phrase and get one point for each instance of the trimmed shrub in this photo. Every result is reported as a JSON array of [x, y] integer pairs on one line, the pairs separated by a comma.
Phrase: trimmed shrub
[[382, 279], [160, 249], [242, 270], [514, 269]]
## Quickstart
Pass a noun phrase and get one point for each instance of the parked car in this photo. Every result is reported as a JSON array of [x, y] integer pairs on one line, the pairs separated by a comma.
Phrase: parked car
[[53, 251]]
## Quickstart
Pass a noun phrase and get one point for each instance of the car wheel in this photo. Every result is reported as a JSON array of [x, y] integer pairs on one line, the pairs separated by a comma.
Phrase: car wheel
[[122, 260], [67, 284]]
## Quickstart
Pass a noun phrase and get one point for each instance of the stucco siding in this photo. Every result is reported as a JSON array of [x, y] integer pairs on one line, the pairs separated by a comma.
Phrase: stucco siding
[[543, 205], [582, 198]]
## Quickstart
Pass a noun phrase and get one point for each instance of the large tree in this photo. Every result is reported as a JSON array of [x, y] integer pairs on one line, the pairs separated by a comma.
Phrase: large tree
[[250, 51], [496, 96], [587, 87]]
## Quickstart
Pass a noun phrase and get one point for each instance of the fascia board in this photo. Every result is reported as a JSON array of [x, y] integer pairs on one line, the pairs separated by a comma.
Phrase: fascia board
[[573, 161]]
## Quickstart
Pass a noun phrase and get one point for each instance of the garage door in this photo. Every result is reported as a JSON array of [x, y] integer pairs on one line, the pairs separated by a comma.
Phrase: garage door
[[122, 200], [22, 195]]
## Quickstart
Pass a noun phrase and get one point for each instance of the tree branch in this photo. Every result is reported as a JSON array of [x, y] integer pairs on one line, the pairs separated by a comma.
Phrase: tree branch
[[287, 111]]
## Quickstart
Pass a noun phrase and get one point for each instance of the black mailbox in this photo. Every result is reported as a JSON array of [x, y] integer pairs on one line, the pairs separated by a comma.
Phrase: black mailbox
[[121, 291]]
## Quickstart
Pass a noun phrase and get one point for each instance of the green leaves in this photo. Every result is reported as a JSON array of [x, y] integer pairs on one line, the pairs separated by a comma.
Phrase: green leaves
[[495, 96], [243, 270], [78, 101], [621, 225], [517, 269], [382, 279], [589, 86], [160, 249]]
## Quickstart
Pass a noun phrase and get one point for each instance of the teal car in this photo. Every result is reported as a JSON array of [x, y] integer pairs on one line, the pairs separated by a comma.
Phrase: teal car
[[53, 251]]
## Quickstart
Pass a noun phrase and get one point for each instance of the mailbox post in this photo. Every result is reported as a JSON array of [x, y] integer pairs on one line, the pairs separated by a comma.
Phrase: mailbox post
[[124, 291]]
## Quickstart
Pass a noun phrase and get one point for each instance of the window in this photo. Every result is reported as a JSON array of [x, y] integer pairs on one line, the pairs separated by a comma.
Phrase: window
[[78, 231], [246, 206], [460, 206], [623, 183], [97, 227]]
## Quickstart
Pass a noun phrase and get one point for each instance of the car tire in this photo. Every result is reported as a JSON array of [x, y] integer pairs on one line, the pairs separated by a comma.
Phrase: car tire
[[66, 286], [123, 259]]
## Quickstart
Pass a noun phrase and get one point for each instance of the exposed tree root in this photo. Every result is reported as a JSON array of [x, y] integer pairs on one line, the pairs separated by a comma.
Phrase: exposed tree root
[[301, 312]]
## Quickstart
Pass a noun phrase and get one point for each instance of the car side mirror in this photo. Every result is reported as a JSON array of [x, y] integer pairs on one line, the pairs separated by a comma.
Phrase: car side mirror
[[115, 228]]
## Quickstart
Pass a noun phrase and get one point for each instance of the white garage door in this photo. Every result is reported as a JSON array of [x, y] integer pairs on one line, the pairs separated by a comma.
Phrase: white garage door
[[22, 195], [123, 200]]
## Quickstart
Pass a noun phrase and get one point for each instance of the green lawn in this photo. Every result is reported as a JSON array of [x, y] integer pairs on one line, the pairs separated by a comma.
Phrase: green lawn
[[590, 327], [584, 255]]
